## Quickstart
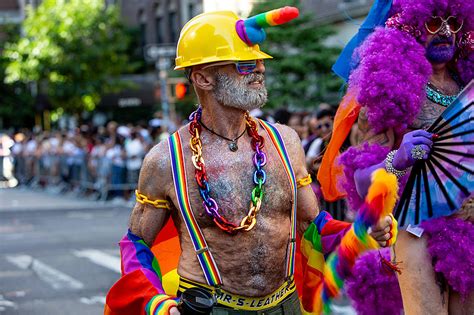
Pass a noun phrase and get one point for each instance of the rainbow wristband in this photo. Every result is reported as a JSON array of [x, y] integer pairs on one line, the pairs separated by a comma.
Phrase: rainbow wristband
[[160, 304]]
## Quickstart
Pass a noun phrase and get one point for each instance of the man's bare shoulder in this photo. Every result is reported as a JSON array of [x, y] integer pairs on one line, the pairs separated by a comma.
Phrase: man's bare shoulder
[[294, 147], [156, 166], [366, 133], [289, 135], [156, 176]]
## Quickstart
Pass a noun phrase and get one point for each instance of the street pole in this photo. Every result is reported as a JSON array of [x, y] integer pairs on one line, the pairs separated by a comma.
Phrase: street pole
[[161, 55], [163, 74]]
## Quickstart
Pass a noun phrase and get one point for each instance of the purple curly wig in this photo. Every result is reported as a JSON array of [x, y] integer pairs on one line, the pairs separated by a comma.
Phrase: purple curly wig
[[393, 70]]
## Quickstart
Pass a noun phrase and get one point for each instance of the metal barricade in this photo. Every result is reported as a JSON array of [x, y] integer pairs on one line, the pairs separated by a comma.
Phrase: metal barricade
[[59, 174]]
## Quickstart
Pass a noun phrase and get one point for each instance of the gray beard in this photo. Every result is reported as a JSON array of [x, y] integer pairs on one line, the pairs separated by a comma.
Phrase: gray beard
[[237, 93]]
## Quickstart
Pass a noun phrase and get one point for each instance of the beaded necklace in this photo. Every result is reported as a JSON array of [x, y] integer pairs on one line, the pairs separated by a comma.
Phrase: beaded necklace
[[436, 96], [259, 176]]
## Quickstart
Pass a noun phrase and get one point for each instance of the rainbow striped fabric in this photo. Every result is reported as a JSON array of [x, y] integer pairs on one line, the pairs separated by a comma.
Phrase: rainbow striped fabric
[[283, 153], [205, 258], [379, 203], [140, 287], [321, 238]]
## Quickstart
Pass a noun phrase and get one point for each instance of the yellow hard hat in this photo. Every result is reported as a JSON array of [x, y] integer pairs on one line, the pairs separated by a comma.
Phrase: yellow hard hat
[[211, 37]]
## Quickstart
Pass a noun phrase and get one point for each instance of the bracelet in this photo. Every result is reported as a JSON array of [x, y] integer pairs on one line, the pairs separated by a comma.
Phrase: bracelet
[[305, 181], [389, 166], [158, 203], [160, 304]]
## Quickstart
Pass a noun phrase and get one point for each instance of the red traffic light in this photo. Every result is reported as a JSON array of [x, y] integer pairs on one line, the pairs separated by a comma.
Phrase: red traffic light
[[180, 90]]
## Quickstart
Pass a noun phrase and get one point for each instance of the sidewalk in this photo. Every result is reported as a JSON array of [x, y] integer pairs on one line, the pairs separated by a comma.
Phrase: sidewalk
[[25, 199]]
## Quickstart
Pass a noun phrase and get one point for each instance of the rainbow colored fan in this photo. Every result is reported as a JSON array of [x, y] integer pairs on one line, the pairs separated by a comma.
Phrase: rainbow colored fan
[[441, 184]]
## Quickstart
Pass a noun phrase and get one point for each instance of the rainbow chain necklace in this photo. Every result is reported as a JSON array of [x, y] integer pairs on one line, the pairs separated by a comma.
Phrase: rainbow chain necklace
[[259, 176]]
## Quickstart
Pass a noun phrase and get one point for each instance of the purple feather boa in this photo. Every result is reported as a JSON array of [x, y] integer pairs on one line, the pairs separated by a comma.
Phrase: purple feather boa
[[450, 245], [359, 158], [373, 290]]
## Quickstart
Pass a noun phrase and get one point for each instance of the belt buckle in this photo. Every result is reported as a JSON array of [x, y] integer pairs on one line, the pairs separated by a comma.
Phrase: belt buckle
[[217, 289]]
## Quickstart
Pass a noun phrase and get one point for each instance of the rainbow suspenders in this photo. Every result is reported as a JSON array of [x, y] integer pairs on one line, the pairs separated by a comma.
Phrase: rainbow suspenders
[[206, 260]]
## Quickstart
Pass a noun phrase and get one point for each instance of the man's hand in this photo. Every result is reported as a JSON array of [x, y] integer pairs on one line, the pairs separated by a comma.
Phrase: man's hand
[[174, 311], [385, 232]]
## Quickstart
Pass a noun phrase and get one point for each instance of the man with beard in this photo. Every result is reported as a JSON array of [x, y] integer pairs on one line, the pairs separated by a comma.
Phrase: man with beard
[[405, 76], [206, 176]]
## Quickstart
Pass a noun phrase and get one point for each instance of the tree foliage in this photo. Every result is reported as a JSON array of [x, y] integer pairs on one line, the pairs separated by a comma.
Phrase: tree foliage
[[300, 73], [16, 104], [74, 49]]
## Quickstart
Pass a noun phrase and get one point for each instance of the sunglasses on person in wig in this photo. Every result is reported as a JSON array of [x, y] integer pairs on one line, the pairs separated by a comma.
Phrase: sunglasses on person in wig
[[243, 67], [451, 25]]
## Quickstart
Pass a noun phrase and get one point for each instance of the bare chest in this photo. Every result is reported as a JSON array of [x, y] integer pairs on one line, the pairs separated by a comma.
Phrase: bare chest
[[253, 262], [428, 114], [231, 182]]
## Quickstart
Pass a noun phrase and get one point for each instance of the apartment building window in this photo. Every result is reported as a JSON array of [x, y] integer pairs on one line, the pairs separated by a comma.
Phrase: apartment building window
[[174, 26], [141, 16], [191, 10], [159, 29], [159, 24]]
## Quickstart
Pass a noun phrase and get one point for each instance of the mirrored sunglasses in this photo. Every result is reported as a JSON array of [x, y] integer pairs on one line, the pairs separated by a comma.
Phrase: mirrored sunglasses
[[243, 67], [436, 23]]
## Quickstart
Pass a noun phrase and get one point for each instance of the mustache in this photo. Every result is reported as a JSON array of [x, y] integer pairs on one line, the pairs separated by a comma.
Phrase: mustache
[[254, 77], [442, 40]]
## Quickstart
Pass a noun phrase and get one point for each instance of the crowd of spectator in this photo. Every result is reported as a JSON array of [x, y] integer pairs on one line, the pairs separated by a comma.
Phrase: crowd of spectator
[[104, 162]]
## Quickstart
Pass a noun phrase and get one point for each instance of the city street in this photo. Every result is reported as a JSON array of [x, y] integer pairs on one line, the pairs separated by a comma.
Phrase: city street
[[58, 255]]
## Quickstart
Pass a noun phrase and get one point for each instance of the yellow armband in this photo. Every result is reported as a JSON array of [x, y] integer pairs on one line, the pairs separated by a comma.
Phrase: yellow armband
[[158, 203], [305, 181]]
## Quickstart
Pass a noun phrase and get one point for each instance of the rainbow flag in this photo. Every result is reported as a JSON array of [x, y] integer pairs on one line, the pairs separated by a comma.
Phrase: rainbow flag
[[146, 273], [320, 239]]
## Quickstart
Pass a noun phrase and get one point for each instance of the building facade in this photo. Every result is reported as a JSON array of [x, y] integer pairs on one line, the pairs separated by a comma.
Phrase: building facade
[[159, 20]]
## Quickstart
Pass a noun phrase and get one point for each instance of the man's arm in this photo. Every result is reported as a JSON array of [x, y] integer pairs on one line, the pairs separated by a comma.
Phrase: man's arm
[[365, 133], [155, 176], [307, 203], [139, 290], [308, 211]]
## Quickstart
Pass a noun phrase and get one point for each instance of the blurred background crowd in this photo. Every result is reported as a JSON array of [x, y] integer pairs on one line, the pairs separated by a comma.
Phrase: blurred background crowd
[[103, 162]]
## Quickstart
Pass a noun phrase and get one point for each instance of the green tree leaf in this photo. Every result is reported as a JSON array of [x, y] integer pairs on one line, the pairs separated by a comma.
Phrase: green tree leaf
[[74, 49]]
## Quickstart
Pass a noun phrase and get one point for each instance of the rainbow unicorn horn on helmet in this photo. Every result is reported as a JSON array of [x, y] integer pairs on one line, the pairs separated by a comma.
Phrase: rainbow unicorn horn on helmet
[[251, 30]]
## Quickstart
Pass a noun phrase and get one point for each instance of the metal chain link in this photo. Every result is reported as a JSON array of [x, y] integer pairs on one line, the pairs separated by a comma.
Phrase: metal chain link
[[158, 203], [259, 177]]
